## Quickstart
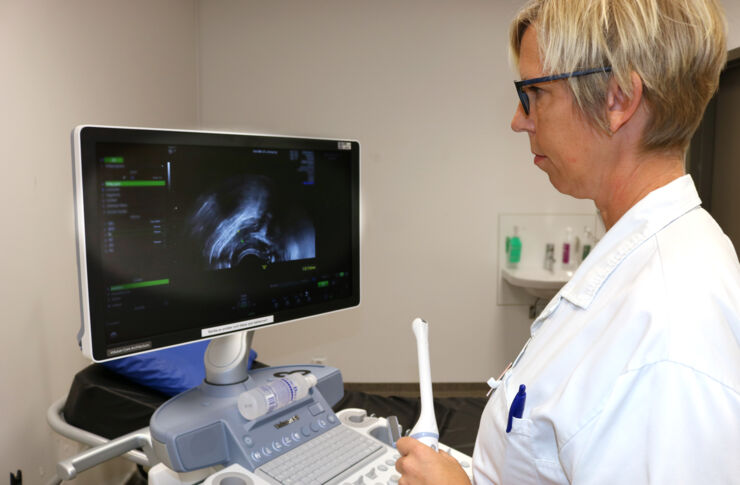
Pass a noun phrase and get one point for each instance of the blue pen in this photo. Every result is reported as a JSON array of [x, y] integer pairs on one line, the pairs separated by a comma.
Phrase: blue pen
[[517, 406]]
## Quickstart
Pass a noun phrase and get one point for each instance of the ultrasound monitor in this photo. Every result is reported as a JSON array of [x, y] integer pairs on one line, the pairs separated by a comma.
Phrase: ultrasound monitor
[[189, 235]]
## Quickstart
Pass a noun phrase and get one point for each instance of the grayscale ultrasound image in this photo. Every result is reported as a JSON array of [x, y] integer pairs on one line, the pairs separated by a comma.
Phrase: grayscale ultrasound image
[[243, 222]]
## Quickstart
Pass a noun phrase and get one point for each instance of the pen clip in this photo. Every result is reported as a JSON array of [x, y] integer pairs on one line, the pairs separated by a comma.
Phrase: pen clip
[[495, 383]]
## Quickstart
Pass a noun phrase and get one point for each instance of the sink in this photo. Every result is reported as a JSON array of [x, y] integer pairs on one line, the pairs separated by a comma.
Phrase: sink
[[537, 282]]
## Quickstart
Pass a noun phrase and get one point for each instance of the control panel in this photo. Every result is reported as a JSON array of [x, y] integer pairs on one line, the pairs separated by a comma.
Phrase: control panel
[[379, 470], [202, 427]]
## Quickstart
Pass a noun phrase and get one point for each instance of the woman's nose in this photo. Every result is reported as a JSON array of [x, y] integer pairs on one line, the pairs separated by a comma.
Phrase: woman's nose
[[521, 122]]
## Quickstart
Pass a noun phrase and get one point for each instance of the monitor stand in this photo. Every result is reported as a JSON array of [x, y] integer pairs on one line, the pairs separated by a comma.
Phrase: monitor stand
[[226, 358]]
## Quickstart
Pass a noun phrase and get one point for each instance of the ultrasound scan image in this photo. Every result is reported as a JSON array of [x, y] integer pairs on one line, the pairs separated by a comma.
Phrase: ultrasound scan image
[[242, 222]]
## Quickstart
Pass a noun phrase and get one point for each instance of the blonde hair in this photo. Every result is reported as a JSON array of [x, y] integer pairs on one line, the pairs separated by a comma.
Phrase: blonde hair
[[677, 47]]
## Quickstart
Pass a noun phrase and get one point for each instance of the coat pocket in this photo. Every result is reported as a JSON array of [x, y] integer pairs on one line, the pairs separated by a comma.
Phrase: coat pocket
[[519, 463], [550, 473]]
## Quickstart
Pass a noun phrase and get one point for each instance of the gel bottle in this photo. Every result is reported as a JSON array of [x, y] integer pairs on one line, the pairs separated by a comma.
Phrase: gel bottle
[[513, 249], [274, 395]]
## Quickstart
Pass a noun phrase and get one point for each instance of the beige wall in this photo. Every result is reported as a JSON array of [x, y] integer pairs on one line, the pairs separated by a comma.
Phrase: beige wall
[[424, 85], [732, 11], [426, 88], [61, 64]]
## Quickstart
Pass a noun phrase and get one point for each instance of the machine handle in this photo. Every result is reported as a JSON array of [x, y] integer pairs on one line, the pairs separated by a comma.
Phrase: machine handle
[[55, 417], [69, 468]]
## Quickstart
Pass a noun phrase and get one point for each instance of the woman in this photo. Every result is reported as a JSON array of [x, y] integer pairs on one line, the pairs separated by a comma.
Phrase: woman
[[632, 374]]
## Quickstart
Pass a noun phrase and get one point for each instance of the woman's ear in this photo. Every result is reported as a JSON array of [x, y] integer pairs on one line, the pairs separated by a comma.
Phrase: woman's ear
[[620, 107]]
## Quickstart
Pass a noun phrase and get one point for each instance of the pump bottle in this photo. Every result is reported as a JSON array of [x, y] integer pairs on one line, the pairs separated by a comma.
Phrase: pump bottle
[[274, 395], [568, 250], [513, 249], [588, 240]]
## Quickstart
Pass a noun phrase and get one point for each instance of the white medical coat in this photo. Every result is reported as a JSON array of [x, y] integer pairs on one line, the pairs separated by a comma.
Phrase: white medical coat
[[632, 373]]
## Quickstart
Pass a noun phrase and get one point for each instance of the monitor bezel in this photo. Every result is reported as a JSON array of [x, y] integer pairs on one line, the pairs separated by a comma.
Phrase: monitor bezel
[[84, 138]]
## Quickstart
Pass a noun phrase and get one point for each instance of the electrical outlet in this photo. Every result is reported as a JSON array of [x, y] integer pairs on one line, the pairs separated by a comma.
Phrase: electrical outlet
[[319, 360]]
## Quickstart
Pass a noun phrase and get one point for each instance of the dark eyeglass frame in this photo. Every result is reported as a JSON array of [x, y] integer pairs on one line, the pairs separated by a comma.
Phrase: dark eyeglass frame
[[524, 98]]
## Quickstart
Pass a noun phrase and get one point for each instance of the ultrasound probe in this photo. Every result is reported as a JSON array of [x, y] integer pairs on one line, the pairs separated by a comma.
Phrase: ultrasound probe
[[425, 429]]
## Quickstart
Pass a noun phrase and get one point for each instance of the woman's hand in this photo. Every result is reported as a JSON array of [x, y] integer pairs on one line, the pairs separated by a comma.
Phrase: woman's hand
[[421, 465]]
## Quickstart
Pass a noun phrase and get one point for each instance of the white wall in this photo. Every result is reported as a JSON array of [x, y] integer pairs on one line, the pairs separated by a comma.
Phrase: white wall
[[65, 63]]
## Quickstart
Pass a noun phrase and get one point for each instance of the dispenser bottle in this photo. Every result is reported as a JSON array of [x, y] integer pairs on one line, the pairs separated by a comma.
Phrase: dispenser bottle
[[274, 395], [588, 241], [568, 256], [513, 249]]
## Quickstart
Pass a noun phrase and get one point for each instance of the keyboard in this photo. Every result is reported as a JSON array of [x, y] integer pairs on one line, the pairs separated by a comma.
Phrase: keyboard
[[348, 454], [326, 459]]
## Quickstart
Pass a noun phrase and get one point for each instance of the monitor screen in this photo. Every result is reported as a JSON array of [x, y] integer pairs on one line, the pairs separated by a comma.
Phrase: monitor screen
[[186, 235]]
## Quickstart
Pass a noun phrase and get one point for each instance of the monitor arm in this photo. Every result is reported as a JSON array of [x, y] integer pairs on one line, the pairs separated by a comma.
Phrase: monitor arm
[[226, 358]]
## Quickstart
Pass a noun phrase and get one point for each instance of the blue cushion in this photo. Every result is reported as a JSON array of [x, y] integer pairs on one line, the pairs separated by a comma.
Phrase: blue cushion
[[170, 371]]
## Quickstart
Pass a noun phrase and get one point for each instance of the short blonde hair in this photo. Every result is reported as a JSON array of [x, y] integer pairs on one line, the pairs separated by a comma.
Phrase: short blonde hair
[[677, 47]]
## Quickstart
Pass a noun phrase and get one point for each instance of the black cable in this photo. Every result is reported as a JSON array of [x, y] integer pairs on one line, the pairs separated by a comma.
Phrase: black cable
[[16, 479]]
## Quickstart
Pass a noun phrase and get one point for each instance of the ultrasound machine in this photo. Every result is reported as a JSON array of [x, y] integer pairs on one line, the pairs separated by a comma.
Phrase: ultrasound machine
[[190, 235]]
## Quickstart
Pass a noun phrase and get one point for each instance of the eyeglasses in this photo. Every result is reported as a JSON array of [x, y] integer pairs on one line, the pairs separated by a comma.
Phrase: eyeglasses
[[524, 98]]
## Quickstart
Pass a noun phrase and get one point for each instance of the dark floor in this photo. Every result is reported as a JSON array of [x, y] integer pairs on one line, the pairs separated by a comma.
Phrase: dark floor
[[411, 389]]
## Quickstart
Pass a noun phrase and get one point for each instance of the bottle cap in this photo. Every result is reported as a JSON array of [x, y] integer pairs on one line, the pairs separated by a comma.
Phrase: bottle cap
[[311, 379]]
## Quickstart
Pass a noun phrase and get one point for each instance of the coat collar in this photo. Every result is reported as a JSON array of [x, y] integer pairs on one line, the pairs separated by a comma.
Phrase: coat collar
[[651, 214]]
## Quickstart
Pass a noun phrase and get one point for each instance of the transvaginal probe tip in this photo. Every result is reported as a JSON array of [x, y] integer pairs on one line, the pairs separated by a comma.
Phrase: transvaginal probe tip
[[418, 325]]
